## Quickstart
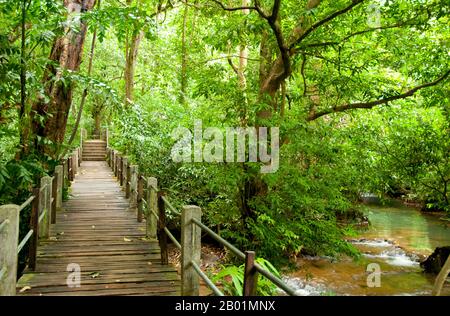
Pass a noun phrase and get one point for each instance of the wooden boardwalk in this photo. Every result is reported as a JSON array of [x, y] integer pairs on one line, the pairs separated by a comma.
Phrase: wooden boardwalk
[[97, 231]]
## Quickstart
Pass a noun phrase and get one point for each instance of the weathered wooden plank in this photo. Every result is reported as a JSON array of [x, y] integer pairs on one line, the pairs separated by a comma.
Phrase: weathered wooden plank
[[162, 286], [148, 267], [158, 289], [50, 281]]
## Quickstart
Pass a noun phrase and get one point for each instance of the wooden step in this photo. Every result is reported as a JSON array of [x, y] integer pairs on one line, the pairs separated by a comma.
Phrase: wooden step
[[102, 152], [93, 159], [94, 147], [94, 152]]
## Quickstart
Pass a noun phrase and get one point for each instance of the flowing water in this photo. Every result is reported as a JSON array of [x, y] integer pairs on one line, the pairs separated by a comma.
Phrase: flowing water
[[397, 240]]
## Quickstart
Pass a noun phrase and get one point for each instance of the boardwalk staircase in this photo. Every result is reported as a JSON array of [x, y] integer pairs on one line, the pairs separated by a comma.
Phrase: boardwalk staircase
[[94, 150]]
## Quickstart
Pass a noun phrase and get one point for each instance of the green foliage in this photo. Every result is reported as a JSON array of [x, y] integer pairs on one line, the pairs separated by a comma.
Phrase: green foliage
[[405, 151], [126, 20], [231, 279], [322, 169]]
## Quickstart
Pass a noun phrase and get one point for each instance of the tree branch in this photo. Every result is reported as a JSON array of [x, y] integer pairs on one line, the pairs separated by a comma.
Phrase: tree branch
[[275, 10], [276, 28], [260, 10], [235, 69], [324, 21], [371, 104], [234, 8], [346, 38], [302, 72]]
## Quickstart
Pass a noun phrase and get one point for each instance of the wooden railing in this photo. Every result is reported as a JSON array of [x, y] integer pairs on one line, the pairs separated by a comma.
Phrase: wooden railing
[[45, 201], [441, 278], [149, 202]]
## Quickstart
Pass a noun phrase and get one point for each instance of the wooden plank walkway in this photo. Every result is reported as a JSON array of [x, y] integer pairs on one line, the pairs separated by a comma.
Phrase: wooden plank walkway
[[97, 231]]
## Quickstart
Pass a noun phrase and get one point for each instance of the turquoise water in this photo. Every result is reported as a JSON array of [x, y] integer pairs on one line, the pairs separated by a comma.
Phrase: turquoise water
[[409, 228], [397, 240]]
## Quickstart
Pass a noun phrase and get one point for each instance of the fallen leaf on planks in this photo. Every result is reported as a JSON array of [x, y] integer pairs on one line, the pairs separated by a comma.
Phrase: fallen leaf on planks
[[126, 239], [25, 288]]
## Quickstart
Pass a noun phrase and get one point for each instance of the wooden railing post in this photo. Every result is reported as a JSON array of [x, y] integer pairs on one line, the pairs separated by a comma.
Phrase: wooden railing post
[[81, 144], [162, 236], [9, 239], [54, 196], [108, 156], [63, 163], [107, 137], [75, 163], [119, 158], [111, 161], [59, 190], [140, 198], [45, 206], [70, 166], [34, 225], [123, 162], [250, 274], [190, 250], [65, 174], [152, 204], [41, 206], [116, 165], [127, 180], [133, 181]]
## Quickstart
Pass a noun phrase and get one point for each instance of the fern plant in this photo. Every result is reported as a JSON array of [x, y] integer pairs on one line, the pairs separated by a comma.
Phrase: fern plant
[[232, 279]]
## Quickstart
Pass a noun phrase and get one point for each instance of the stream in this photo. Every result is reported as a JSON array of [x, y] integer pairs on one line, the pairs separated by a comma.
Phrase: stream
[[397, 240]]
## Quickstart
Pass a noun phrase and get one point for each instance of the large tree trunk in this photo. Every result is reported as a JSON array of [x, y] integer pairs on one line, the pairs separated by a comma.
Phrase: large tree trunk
[[97, 125], [184, 57], [67, 53], [251, 185], [85, 91], [130, 66], [23, 112], [131, 53], [272, 75]]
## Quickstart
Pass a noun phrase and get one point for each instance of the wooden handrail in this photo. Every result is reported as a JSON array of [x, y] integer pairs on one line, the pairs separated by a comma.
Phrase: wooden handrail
[[24, 240], [27, 202], [219, 239], [44, 201], [205, 278], [441, 277], [154, 208]]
